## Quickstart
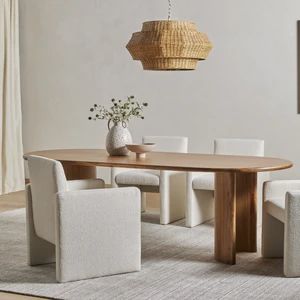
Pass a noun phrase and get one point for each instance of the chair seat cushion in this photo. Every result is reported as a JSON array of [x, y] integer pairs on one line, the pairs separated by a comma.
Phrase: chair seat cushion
[[205, 181], [276, 208], [138, 178]]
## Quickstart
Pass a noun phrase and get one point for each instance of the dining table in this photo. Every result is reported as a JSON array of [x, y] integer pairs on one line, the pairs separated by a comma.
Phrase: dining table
[[235, 186]]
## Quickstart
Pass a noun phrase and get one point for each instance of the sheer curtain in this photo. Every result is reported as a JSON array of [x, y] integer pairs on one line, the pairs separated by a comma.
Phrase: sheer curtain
[[11, 148]]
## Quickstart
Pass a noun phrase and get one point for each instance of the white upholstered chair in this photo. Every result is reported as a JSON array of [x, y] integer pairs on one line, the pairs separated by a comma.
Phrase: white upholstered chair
[[200, 186], [170, 185], [281, 223], [86, 230]]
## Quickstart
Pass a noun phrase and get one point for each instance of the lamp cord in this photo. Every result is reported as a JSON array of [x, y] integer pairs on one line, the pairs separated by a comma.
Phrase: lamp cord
[[169, 10]]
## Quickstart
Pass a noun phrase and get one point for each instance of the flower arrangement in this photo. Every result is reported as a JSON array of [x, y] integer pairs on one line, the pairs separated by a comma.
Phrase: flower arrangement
[[121, 111]]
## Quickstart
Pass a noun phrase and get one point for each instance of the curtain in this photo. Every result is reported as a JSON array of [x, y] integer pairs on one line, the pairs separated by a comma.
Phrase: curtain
[[11, 148]]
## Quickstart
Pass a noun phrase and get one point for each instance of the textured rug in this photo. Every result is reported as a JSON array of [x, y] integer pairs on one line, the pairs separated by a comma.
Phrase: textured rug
[[177, 263]]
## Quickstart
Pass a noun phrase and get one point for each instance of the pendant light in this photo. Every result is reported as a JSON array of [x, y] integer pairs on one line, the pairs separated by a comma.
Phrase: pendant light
[[169, 45]]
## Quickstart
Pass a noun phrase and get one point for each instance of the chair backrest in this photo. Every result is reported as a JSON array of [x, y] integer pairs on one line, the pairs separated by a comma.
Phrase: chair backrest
[[47, 178], [168, 143], [248, 147]]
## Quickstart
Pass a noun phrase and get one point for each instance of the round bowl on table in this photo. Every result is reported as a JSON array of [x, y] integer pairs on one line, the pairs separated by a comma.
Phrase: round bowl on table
[[141, 149]]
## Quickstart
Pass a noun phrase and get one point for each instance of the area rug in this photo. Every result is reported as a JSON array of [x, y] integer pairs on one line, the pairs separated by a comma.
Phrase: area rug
[[177, 263]]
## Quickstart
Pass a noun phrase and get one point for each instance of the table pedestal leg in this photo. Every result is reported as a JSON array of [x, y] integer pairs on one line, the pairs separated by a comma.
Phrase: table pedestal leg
[[246, 202], [79, 172], [225, 210], [235, 215]]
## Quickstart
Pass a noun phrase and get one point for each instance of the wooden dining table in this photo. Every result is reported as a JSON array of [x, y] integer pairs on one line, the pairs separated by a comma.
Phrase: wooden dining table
[[235, 186]]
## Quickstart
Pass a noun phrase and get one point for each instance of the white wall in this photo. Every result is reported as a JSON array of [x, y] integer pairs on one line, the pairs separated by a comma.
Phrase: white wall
[[73, 55]]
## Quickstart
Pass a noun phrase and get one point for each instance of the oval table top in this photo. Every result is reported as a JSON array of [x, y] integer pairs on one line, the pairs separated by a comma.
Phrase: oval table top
[[192, 162]]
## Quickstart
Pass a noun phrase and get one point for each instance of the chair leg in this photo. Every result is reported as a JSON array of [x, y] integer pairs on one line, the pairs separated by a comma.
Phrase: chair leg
[[272, 237], [199, 207], [39, 251]]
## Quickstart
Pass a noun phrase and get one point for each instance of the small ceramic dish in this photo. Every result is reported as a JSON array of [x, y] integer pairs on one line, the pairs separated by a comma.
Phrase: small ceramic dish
[[141, 149]]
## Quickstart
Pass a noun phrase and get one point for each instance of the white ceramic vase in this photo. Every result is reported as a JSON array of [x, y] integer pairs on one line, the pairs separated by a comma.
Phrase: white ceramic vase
[[117, 138]]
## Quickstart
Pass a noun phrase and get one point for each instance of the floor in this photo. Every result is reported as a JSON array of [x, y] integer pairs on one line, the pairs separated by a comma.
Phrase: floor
[[10, 202], [177, 264], [10, 296]]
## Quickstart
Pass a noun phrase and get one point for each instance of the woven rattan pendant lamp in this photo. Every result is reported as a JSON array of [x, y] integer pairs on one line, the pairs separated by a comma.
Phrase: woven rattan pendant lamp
[[169, 45]]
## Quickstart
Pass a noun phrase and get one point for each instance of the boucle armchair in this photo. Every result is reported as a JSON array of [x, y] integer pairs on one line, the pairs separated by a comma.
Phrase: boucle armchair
[[87, 231], [200, 186], [170, 184], [281, 224]]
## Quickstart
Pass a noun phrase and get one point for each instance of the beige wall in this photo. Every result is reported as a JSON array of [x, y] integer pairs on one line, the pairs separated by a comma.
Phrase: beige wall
[[73, 55]]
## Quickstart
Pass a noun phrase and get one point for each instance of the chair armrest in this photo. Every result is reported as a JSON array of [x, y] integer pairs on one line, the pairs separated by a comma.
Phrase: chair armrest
[[99, 198], [113, 173], [175, 176], [189, 182], [102, 227], [85, 184], [172, 187], [292, 206], [292, 234], [278, 188], [190, 176]]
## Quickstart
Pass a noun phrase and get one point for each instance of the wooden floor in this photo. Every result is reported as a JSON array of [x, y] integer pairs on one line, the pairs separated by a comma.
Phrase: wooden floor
[[10, 202], [11, 296]]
